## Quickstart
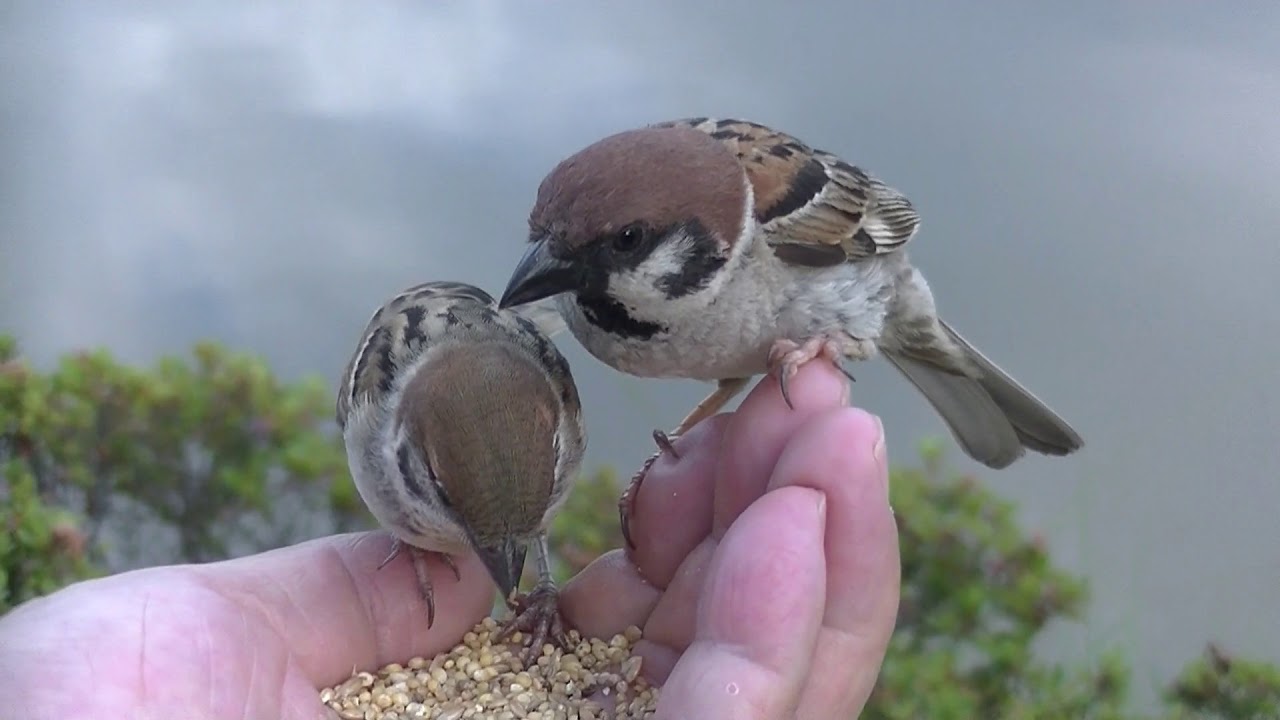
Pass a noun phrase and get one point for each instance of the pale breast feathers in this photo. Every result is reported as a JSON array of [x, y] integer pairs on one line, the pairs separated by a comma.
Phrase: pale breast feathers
[[812, 207], [397, 333]]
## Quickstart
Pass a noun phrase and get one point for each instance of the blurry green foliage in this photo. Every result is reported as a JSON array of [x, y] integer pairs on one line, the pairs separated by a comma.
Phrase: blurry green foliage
[[211, 450], [976, 594], [587, 526], [213, 446], [41, 546], [1220, 687]]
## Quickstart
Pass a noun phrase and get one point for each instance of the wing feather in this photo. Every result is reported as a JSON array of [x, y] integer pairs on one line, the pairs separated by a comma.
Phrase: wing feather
[[812, 207]]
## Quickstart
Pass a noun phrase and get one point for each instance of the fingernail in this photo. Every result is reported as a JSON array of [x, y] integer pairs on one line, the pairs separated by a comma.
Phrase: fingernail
[[877, 448], [844, 390], [878, 452], [821, 507]]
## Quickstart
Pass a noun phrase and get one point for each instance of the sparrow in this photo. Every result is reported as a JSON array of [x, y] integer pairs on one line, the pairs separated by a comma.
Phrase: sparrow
[[721, 249], [464, 432]]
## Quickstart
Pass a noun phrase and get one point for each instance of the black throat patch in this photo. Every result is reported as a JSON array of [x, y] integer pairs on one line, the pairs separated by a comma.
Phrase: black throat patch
[[612, 317]]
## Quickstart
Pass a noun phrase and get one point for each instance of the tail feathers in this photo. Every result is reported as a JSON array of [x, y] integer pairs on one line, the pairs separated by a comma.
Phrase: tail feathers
[[993, 417], [973, 417]]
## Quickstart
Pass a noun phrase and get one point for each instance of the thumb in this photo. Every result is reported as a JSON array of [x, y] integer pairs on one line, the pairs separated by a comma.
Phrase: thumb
[[758, 615]]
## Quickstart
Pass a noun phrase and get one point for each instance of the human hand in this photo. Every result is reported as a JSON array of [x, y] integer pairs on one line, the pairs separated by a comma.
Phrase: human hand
[[257, 636], [766, 574]]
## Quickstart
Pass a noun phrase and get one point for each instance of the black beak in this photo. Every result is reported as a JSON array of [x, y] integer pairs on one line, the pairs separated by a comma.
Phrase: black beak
[[538, 276], [505, 561]]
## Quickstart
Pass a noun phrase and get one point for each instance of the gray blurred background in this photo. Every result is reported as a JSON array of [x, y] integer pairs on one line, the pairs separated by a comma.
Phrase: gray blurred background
[[1098, 185]]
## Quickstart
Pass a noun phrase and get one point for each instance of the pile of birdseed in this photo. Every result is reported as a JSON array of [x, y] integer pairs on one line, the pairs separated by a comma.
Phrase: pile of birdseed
[[477, 679]]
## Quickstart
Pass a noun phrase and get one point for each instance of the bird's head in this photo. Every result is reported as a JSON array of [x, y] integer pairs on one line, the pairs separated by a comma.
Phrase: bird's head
[[639, 219], [487, 417]]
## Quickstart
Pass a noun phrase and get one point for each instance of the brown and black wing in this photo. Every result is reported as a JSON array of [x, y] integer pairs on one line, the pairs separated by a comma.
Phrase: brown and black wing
[[812, 207]]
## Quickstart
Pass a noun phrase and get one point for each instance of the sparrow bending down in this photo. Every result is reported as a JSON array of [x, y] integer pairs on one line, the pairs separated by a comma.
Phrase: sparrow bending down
[[722, 249], [464, 431]]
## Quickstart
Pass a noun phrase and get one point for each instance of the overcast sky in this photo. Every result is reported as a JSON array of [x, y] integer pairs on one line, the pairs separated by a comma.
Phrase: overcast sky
[[1098, 186]]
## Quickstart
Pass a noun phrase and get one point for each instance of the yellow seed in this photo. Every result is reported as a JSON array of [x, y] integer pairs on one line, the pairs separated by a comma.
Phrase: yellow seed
[[631, 668], [480, 678]]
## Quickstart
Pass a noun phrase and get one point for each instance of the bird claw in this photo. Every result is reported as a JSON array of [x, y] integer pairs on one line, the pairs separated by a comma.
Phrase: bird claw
[[786, 357], [626, 503], [665, 443], [538, 615], [418, 556]]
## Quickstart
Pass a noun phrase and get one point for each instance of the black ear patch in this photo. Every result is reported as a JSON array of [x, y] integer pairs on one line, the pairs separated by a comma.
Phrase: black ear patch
[[702, 259]]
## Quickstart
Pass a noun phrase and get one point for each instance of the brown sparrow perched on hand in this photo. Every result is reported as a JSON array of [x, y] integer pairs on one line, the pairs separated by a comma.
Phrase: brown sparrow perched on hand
[[721, 249], [464, 431]]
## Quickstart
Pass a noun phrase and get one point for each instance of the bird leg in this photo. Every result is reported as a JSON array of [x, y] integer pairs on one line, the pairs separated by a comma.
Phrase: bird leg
[[710, 405], [419, 558], [537, 614], [786, 357]]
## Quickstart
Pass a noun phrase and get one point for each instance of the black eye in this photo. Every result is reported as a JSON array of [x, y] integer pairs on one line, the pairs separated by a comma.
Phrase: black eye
[[629, 238]]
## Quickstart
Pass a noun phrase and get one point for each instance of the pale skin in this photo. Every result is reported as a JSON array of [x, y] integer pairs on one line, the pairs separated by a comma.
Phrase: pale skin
[[766, 579]]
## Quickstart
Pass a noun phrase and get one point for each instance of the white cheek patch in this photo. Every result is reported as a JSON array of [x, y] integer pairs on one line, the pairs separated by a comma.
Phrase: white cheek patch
[[641, 285]]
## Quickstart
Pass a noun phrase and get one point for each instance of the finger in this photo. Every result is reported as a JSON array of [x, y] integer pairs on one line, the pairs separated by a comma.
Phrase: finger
[[672, 624], [841, 453], [608, 596], [759, 616], [670, 628], [338, 611], [760, 428], [672, 515], [673, 508]]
